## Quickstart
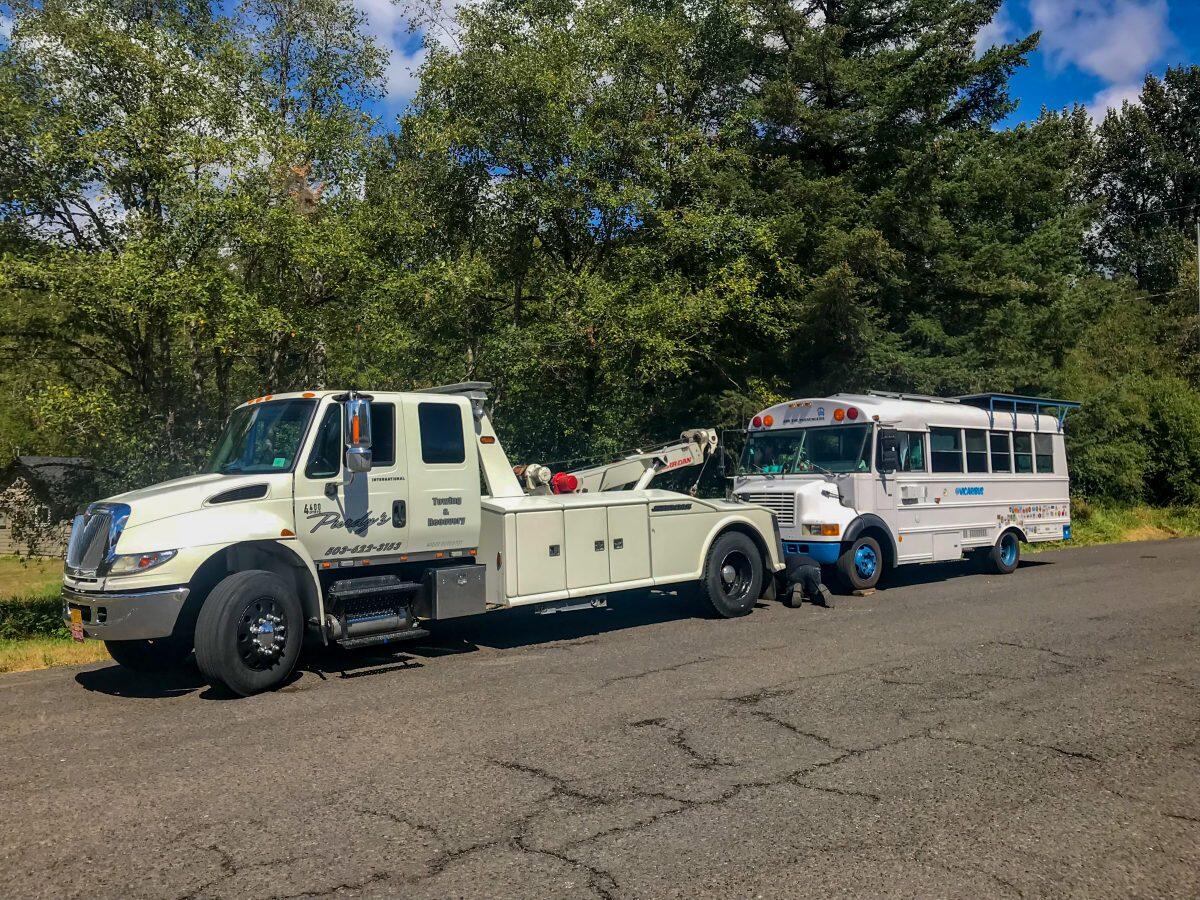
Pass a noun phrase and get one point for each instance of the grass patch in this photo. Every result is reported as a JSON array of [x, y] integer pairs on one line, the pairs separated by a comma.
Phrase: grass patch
[[29, 577], [1093, 524], [41, 653]]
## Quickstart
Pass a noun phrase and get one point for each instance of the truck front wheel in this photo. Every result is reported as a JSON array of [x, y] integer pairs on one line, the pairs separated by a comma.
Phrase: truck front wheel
[[157, 655], [249, 632], [733, 575]]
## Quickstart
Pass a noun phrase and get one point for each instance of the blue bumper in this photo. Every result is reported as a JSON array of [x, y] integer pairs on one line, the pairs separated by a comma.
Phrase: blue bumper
[[824, 552]]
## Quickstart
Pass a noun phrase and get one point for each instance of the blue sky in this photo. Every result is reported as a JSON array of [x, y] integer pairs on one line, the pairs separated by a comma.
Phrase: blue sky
[[1095, 52]]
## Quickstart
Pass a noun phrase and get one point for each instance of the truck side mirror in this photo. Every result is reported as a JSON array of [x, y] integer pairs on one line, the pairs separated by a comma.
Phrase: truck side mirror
[[889, 450], [357, 437]]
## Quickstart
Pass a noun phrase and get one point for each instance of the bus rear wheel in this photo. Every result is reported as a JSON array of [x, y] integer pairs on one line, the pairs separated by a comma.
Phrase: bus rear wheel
[[1005, 555], [860, 564]]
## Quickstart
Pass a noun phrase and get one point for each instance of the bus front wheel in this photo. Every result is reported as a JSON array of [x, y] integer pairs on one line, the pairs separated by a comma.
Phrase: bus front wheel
[[860, 564]]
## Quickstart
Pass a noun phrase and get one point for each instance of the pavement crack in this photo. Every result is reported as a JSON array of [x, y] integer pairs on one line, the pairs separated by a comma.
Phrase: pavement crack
[[559, 786], [602, 882], [1073, 754], [371, 879], [1181, 817], [678, 739], [648, 672]]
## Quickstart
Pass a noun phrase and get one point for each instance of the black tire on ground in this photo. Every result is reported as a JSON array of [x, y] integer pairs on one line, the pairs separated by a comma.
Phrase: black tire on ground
[[860, 564], [1005, 555], [733, 575], [158, 655], [249, 632]]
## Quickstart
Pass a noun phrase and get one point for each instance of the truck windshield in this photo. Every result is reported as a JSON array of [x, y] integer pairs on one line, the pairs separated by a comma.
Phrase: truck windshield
[[262, 438], [838, 449]]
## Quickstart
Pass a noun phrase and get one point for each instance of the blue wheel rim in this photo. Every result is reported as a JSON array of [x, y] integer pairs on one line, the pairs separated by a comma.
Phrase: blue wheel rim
[[865, 561], [1008, 549]]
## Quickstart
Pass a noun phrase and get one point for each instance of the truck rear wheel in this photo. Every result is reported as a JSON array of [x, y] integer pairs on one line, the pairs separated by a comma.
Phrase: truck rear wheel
[[249, 632], [157, 655], [860, 564], [733, 575], [1005, 555]]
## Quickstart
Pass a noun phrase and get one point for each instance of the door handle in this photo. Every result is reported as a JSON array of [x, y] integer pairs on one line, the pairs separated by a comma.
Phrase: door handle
[[399, 514]]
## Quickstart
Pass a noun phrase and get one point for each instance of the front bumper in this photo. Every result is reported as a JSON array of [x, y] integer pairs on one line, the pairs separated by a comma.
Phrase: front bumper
[[126, 615], [824, 552]]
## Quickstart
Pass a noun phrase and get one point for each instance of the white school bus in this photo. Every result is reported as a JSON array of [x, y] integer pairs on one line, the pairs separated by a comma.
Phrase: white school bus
[[867, 482]]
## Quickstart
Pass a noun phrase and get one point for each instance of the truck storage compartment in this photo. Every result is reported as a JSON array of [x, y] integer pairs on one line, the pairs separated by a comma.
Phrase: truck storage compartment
[[541, 566], [628, 543], [587, 546], [452, 591]]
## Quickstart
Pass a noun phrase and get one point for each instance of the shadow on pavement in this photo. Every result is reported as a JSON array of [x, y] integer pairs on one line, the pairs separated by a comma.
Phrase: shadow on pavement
[[120, 682], [929, 573]]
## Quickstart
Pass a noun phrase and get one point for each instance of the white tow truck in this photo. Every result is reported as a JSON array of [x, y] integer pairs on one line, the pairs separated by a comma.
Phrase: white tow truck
[[355, 519]]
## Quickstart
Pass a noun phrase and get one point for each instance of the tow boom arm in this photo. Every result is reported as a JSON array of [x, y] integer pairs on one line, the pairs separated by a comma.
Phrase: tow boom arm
[[637, 469]]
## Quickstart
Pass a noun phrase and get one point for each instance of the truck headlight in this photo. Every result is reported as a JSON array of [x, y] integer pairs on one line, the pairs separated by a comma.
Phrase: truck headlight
[[823, 529], [132, 563]]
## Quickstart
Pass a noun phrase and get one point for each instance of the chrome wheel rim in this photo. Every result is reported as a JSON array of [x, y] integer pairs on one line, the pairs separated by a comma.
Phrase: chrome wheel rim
[[737, 574], [262, 633]]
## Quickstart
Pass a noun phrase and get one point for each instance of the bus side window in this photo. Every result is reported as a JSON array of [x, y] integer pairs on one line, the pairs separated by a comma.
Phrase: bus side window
[[946, 449], [1001, 451], [1045, 453], [910, 446], [912, 451], [977, 450], [1023, 451]]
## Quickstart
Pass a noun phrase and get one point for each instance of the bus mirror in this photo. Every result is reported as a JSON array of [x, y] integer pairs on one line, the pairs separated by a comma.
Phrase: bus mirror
[[889, 450], [358, 434]]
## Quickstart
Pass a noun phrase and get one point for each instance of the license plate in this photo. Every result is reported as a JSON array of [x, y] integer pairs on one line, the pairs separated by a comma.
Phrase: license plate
[[77, 625]]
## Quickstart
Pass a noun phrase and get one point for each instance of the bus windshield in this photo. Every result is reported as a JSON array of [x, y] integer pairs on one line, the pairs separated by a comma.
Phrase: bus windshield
[[837, 449], [262, 438]]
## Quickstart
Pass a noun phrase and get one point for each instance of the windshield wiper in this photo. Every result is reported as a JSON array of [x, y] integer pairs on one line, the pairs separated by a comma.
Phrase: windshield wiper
[[761, 471]]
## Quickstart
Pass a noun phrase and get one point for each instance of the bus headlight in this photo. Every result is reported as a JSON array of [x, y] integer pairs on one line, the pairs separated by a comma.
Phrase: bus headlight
[[133, 563], [823, 529]]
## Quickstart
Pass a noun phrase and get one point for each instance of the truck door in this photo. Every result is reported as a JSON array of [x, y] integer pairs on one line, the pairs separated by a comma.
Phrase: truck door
[[443, 465], [367, 519]]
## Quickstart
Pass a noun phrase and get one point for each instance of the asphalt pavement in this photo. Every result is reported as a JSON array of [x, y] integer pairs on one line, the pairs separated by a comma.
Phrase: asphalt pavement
[[955, 735]]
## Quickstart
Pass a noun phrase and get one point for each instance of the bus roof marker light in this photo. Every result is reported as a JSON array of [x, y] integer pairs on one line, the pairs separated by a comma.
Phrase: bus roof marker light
[[852, 413], [839, 415], [756, 422], [768, 420]]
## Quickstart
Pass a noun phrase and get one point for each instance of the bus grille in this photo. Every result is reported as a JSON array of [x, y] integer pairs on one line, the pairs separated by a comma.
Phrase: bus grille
[[783, 505], [89, 541]]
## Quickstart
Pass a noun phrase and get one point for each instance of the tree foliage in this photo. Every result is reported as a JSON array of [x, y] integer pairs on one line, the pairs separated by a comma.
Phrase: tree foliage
[[633, 216]]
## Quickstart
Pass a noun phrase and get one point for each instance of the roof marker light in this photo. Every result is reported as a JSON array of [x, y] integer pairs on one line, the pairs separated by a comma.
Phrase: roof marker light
[[839, 415], [756, 421], [768, 420], [852, 414]]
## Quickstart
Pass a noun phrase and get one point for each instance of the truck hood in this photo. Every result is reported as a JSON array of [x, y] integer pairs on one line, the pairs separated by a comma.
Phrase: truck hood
[[188, 494]]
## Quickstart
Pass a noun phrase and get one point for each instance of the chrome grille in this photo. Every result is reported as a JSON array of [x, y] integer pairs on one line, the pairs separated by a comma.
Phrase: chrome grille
[[783, 505], [94, 535]]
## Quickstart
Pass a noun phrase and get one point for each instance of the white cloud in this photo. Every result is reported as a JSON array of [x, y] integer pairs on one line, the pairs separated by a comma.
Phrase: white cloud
[[6, 24], [998, 31], [389, 23], [1112, 98], [1116, 40]]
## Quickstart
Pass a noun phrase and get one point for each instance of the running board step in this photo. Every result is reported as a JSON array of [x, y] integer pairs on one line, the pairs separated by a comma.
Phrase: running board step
[[387, 637], [376, 585]]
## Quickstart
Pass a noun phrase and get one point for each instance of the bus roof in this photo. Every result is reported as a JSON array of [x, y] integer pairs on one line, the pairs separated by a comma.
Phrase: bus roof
[[998, 412]]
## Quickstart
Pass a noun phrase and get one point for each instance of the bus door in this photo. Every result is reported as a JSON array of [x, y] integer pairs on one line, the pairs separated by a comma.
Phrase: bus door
[[902, 496]]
